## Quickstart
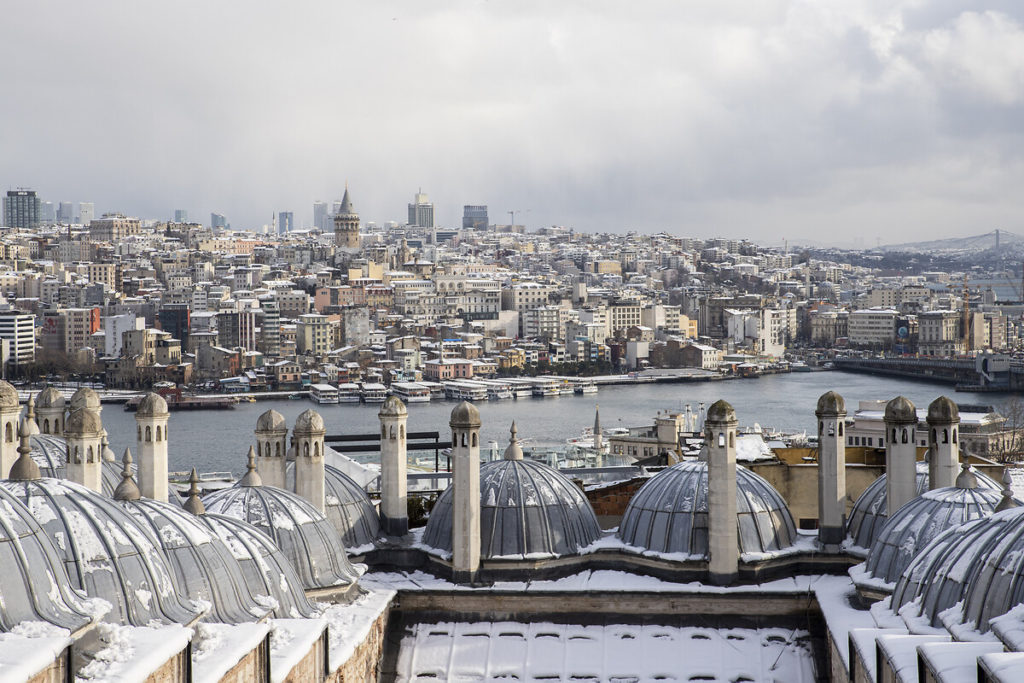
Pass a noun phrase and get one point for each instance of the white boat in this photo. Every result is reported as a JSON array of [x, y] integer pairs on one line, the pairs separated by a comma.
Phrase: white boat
[[465, 391], [374, 393], [323, 393], [411, 392], [584, 386], [497, 390], [436, 389], [349, 393], [545, 386], [521, 388]]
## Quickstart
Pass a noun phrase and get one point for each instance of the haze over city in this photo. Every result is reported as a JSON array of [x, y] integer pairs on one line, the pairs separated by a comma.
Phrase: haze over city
[[841, 122]]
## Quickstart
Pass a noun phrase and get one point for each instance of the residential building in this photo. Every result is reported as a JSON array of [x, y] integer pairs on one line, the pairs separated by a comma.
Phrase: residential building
[[18, 329]]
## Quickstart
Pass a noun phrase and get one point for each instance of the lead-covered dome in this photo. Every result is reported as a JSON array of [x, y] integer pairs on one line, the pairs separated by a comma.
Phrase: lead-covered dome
[[151, 405], [526, 508], [919, 521], [309, 421], [393, 407], [34, 582], [271, 421], [50, 454], [204, 567], [900, 411], [306, 538], [348, 507], [870, 513], [669, 514], [721, 411], [942, 410], [830, 403], [106, 552]]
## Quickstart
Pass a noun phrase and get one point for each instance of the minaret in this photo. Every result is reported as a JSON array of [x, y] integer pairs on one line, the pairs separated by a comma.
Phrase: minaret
[[723, 537], [900, 453], [346, 225], [151, 419], [394, 511], [831, 414], [309, 435], [943, 443], [272, 448], [50, 408], [465, 424], [83, 433], [598, 436], [30, 426], [10, 411]]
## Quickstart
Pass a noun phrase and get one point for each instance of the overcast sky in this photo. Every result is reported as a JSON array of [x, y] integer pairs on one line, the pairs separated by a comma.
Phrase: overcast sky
[[815, 119]]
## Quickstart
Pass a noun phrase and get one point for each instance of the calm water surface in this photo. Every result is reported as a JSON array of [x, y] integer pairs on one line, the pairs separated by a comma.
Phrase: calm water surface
[[219, 440]]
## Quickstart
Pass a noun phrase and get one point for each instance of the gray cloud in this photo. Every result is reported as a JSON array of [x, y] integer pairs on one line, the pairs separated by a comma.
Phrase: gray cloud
[[771, 119]]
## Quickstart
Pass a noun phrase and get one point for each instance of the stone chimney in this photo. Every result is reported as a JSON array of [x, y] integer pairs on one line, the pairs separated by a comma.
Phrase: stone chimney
[[900, 453], [723, 537], [394, 511], [943, 443], [831, 414], [465, 424], [309, 432], [272, 448], [151, 419]]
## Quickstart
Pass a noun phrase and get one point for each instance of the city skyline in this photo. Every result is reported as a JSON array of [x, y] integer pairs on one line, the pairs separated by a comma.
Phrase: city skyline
[[786, 120]]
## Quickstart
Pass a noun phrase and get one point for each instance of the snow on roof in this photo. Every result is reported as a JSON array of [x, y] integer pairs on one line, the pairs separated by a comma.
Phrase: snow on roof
[[752, 448], [290, 641], [350, 624], [132, 653], [28, 650], [217, 648]]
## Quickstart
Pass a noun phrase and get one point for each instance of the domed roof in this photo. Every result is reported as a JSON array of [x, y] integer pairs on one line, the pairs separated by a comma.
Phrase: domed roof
[[942, 411], [831, 403], [304, 535], [33, 580], [900, 411], [106, 552], [513, 451], [348, 507], [393, 407], [50, 453], [465, 415], [264, 567], [721, 411], [151, 405], [271, 421], [8, 395], [669, 514], [526, 508], [870, 510], [914, 525], [204, 567], [309, 421], [83, 422], [944, 572], [50, 397], [85, 398]]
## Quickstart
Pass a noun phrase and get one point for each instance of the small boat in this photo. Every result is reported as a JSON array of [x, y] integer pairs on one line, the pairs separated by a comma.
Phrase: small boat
[[296, 397]]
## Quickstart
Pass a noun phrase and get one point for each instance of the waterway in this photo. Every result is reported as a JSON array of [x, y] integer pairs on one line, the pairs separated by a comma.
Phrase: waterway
[[218, 440]]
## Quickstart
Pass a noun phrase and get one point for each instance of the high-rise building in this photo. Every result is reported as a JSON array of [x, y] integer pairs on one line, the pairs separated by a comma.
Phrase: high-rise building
[[181, 216], [66, 213], [114, 327], [47, 213], [270, 326], [421, 211], [474, 217], [21, 209], [175, 318], [320, 216], [217, 220], [18, 328], [285, 222], [346, 225], [86, 212], [237, 329]]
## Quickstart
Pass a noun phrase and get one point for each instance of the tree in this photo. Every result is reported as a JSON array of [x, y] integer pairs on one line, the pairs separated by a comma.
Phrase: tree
[[1011, 446]]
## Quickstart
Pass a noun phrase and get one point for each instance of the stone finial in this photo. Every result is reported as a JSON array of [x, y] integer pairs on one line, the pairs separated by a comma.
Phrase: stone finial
[[1008, 501], [24, 468], [193, 503], [514, 451], [127, 489], [251, 476], [966, 478]]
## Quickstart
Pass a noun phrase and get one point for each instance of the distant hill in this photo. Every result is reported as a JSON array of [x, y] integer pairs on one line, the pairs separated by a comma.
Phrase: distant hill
[[974, 243]]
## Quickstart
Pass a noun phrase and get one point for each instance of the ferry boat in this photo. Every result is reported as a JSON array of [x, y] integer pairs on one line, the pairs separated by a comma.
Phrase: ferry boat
[[497, 390], [465, 391], [436, 389], [565, 386], [323, 393], [521, 388], [411, 392], [582, 385], [374, 393], [349, 393], [545, 386]]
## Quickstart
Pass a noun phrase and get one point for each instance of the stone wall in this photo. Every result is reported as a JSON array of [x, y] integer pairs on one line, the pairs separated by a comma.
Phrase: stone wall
[[254, 666], [364, 664], [609, 502]]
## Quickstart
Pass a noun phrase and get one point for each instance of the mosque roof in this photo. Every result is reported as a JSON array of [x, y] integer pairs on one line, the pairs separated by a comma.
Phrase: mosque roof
[[50, 453], [348, 507], [669, 514]]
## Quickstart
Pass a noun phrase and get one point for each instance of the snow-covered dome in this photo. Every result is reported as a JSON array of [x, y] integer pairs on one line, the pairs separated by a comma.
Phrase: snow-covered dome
[[940, 576], [669, 514], [34, 582], [50, 454], [869, 512], [914, 525], [526, 508], [204, 567], [107, 553], [348, 507], [304, 535], [85, 398]]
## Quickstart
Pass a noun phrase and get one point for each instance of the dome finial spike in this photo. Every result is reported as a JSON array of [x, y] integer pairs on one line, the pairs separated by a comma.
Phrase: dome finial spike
[[127, 489], [24, 468], [966, 478], [193, 504], [1008, 501], [251, 477], [512, 431]]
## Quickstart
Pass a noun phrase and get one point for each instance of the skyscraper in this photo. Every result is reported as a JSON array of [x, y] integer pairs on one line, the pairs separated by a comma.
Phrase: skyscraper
[[21, 209], [86, 212], [47, 213], [346, 225], [421, 211], [217, 220], [474, 217], [65, 213], [320, 216], [181, 216], [285, 222]]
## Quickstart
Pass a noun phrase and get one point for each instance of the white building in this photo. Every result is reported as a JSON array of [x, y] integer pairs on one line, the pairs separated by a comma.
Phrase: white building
[[18, 329]]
